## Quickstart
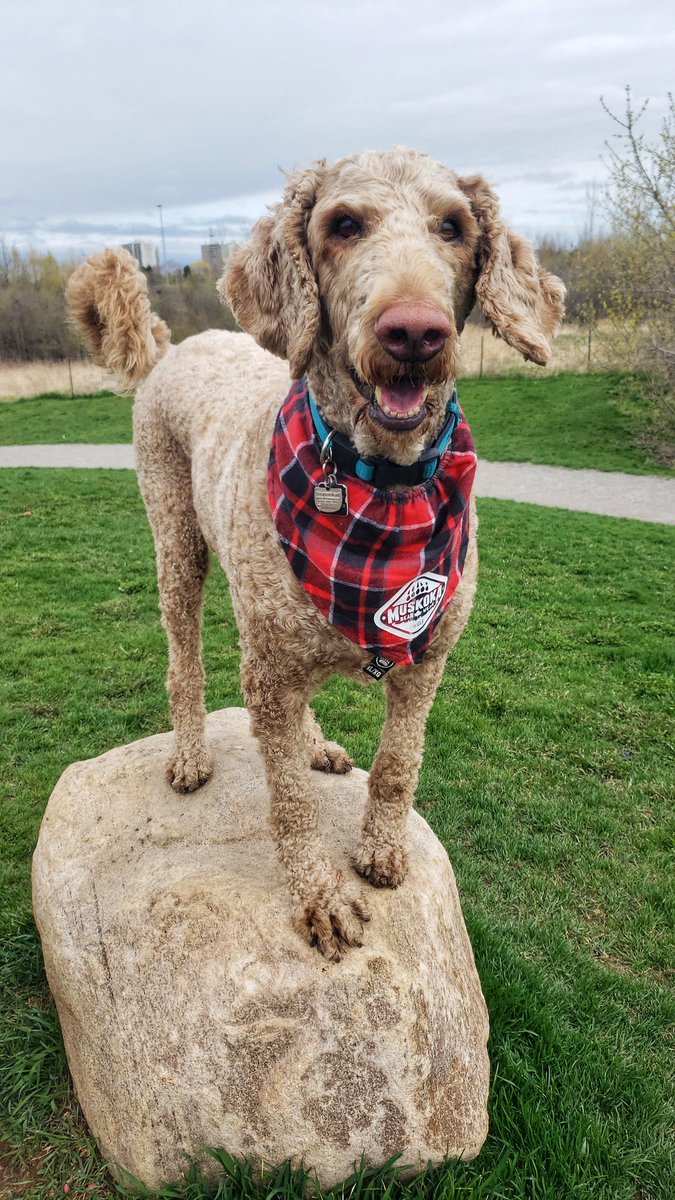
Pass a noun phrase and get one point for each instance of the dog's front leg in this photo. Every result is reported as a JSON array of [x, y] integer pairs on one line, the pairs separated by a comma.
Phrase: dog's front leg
[[381, 856], [328, 910]]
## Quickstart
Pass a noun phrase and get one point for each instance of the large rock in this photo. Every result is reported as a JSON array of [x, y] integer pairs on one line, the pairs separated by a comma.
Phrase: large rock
[[193, 1015]]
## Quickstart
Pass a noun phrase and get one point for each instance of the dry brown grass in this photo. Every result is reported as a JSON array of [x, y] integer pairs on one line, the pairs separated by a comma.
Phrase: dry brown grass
[[19, 380], [570, 353]]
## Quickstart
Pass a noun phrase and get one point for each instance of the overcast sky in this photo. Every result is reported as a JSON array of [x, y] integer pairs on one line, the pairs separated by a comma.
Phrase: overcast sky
[[109, 109]]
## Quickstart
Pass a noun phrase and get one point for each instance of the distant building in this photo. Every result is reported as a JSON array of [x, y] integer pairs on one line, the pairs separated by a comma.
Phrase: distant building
[[145, 253], [216, 254]]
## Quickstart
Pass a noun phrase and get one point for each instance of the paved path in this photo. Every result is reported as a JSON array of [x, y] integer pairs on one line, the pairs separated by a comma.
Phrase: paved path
[[68, 454], [608, 493]]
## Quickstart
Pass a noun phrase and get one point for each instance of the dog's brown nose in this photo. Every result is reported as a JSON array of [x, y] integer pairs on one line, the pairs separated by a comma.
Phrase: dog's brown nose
[[412, 332]]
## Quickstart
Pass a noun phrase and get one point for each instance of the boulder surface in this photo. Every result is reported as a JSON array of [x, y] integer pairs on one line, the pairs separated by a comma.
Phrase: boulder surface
[[193, 1015]]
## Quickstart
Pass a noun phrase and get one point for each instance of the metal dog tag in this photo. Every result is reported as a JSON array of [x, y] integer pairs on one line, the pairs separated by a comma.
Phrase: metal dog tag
[[331, 498]]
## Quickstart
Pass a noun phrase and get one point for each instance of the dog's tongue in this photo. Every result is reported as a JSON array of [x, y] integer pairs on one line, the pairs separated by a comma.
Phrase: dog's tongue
[[402, 397]]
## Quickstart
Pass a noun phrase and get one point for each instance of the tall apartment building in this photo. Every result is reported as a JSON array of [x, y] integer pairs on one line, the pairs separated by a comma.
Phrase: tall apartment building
[[145, 253], [216, 254]]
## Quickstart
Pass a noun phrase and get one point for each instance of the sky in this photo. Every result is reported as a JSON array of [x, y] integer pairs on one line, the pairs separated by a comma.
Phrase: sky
[[109, 109]]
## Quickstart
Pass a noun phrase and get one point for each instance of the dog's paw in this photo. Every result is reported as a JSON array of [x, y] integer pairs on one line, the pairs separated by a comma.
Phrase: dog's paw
[[187, 770], [333, 923], [331, 758], [383, 864]]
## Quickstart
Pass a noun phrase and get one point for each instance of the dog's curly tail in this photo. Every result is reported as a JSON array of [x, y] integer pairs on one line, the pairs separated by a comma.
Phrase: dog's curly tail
[[108, 302]]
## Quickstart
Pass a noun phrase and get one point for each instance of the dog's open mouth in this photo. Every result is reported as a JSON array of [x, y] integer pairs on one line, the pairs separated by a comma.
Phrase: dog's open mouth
[[400, 404]]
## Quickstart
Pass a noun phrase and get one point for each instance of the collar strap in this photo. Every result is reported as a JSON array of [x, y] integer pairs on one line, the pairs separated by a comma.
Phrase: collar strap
[[381, 472]]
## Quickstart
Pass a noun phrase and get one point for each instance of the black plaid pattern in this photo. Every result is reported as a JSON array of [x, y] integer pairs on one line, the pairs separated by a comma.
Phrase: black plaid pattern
[[352, 567]]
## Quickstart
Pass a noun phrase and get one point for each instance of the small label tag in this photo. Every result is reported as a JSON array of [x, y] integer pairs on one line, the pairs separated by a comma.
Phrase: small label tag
[[331, 498], [378, 666]]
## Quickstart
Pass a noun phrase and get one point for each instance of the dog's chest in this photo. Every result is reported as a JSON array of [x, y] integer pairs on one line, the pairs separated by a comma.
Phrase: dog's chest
[[383, 573]]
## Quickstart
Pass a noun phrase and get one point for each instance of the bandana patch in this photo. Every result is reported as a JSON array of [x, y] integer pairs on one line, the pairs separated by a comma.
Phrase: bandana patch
[[385, 573], [413, 607]]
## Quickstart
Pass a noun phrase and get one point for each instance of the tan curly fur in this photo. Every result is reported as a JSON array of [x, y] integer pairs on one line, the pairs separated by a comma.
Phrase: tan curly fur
[[203, 424], [108, 301]]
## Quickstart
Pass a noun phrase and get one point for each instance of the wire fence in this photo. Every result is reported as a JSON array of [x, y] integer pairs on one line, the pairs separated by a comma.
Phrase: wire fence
[[575, 349], [71, 377]]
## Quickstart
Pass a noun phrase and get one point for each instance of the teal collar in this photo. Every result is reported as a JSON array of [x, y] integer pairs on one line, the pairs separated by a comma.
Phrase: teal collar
[[382, 472]]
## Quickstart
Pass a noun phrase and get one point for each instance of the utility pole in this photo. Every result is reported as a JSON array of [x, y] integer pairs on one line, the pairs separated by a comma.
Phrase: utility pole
[[161, 225]]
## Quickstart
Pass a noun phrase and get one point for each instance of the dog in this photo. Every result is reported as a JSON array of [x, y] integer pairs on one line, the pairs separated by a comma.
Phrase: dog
[[354, 289]]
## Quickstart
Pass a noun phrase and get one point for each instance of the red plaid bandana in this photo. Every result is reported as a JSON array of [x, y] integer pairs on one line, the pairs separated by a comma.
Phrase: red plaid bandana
[[385, 573]]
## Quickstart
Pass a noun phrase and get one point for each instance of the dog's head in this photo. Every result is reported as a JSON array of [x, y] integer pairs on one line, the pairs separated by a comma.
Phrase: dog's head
[[363, 276]]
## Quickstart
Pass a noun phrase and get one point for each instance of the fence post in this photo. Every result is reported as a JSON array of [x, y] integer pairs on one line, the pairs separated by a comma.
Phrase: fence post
[[588, 359], [480, 369], [70, 372]]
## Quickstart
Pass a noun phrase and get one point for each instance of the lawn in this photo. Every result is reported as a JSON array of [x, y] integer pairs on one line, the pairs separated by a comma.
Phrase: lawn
[[598, 421], [564, 420], [47, 419], [548, 775]]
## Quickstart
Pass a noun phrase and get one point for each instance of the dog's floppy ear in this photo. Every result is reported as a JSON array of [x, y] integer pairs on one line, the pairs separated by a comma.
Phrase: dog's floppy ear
[[523, 302], [269, 283]]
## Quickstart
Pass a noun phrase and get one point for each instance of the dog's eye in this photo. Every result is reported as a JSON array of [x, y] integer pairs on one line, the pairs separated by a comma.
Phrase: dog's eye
[[346, 227], [450, 230]]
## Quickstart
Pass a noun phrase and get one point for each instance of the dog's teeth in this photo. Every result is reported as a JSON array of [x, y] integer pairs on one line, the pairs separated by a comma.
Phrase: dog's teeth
[[391, 412]]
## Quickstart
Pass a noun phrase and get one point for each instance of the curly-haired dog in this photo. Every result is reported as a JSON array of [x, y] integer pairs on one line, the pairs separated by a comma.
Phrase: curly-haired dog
[[362, 279]]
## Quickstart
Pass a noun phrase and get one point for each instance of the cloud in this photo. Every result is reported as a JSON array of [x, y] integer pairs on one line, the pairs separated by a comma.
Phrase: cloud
[[610, 43], [107, 111]]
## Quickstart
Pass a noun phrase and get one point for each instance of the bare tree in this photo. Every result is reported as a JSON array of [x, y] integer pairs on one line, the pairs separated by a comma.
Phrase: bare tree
[[641, 204], [33, 319]]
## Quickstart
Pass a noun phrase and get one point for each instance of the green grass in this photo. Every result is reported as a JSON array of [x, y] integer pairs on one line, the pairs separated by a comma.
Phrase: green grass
[[548, 775], [598, 421], [102, 417]]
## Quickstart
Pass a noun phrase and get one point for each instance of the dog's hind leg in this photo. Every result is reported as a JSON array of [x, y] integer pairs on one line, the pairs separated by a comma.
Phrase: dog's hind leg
[[324, 755], [182, 565]]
